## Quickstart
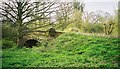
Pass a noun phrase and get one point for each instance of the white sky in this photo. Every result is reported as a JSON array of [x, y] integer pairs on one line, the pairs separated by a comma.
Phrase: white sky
[[109, 7], [90, 0], [101, 0], [96, 5]]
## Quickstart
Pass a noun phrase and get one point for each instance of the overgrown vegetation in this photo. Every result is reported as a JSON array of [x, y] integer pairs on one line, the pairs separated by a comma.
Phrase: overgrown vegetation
[[6, 44], [68, 50], [26, 24]]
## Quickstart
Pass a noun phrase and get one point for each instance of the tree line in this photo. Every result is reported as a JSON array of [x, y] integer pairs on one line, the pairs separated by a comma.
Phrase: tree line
[[19, 17]]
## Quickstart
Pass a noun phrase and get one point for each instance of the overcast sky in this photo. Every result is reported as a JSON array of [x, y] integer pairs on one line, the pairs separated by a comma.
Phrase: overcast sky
[[96, 5], [109, 7]]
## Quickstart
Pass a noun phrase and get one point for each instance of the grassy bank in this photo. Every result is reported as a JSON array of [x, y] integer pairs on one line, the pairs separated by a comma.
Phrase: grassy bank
[[67, 50]]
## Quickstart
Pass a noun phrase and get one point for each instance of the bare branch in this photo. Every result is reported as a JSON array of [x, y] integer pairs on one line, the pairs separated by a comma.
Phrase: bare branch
[[8, 13], [11, 8], [7, 17]]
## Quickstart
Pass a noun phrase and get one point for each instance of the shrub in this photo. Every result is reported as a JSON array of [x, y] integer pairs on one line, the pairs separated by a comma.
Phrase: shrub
[[0, 42], [52, 32], [7, 44], [92, 28], [9, 32]]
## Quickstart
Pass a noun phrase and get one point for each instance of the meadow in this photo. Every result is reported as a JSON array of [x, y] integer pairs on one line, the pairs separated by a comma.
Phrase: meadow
[[67, 50]]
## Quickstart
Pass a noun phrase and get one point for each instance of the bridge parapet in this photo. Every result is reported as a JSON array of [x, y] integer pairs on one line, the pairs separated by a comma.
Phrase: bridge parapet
[[38, 35]]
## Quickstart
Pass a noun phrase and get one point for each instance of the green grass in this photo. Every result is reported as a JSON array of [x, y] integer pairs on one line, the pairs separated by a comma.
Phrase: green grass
[[68, 50]]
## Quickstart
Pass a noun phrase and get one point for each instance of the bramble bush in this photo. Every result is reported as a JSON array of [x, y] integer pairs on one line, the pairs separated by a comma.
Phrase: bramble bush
[[7, 44]]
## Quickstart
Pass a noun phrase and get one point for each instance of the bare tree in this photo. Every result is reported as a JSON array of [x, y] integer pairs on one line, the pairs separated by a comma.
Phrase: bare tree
[[108, 27], [78, 10], [21, 13], [63, 14]]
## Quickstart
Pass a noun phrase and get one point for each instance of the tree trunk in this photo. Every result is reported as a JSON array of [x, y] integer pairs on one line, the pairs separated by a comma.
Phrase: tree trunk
[[20, 43], [20, 33]]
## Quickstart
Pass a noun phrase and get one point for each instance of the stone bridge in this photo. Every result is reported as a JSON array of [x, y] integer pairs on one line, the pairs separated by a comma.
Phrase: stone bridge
[[40, 35]]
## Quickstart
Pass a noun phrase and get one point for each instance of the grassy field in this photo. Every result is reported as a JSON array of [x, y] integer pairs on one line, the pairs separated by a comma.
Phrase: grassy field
[[67, 50]]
